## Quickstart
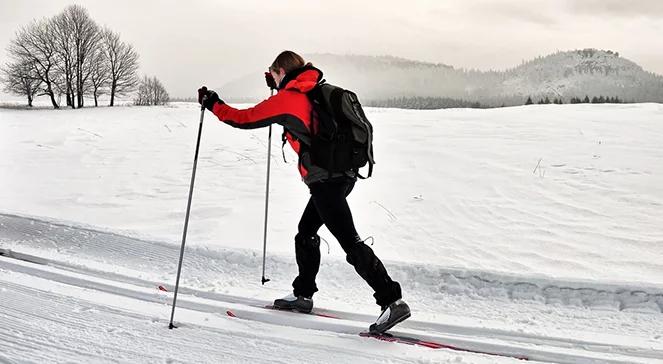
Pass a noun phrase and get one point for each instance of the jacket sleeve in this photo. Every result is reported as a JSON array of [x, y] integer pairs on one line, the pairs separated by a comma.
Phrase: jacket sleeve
[[263, 114]]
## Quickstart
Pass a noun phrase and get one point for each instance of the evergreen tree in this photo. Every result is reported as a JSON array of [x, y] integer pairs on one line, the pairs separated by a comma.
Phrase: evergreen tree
[[529, 101], [586, 100]]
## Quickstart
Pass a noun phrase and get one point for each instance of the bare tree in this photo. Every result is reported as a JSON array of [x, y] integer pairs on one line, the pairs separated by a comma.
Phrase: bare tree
[[77, 37], [143, 93], [20, 79], [123, 65], [151, 92], [62, 32], [70, 55], [86, 39], [100, 74], [35, 45]]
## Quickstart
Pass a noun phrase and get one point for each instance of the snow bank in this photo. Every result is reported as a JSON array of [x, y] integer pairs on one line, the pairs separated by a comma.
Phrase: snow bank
[[572, 192]]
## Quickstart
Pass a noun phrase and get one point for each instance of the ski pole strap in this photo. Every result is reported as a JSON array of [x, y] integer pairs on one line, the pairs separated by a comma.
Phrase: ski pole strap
[[284, 139]]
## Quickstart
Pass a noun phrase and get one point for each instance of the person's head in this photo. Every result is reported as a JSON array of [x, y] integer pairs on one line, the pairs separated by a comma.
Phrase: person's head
[[284, 63]]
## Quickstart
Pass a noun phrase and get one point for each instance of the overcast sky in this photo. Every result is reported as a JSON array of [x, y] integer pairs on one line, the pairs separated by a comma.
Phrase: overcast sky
[[188, 43]]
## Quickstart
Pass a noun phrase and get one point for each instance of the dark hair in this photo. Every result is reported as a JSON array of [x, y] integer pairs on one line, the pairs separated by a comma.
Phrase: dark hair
[[288, 60]]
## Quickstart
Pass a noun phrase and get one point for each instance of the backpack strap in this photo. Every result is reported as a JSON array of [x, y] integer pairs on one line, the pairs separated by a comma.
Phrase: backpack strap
[[370, 171], [336, 101]]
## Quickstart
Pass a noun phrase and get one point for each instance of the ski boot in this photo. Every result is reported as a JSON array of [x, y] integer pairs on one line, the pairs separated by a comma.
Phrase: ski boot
[[296, 303], [391, 315]]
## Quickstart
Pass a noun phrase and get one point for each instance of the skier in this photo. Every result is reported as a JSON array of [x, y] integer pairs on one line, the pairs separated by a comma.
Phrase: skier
[[292, 109]]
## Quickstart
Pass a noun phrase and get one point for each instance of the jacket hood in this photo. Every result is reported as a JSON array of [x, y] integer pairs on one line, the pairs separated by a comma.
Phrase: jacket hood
[[302, 79]]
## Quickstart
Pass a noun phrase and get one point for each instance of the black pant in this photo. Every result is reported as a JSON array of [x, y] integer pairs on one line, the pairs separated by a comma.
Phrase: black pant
[[328, 205]]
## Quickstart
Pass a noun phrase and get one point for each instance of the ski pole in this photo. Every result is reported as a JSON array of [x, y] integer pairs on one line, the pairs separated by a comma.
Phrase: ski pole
[[188, 210], [269, 159]]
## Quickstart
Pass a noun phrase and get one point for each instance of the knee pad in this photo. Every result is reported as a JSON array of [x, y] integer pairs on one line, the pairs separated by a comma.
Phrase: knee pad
[[307, 241], [362, 254]]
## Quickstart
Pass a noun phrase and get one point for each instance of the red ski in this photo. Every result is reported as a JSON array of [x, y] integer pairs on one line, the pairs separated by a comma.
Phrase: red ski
[[314, 312], [401, 339], [430, 344], [270, 307]]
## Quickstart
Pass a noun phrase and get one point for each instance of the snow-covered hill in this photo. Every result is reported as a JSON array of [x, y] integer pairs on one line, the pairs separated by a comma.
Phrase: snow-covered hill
[[563, 74], [583, 72], [529, 230]]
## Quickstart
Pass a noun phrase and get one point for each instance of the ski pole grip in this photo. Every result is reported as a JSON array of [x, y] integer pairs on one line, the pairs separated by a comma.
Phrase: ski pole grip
[[202, 103]]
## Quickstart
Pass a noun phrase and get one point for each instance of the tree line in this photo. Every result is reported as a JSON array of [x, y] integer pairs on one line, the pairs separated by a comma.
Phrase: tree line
[[70, 55], [577, 100], [424, 103]]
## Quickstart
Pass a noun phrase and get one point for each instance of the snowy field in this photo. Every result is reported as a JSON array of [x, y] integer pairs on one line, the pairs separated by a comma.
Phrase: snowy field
[[529, 231]]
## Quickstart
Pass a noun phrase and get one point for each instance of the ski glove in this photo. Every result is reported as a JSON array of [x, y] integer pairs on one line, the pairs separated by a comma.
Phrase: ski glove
[[271, 82], [208, 98]]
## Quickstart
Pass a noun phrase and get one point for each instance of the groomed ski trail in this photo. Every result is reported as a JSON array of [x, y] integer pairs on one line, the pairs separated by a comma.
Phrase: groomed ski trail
[[121, 294]]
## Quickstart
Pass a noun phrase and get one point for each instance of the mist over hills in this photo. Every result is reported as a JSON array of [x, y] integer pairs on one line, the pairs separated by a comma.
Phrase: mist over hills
[[563, 74]]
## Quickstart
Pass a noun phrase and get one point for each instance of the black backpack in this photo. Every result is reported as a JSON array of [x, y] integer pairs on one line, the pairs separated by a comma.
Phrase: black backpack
[[342, 136]]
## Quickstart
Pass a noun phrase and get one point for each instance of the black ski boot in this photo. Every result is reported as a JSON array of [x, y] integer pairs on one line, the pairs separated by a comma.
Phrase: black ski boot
[[290, 302], [391, 315]]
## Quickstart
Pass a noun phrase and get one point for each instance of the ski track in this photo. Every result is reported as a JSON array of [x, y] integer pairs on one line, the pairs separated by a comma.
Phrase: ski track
[[97, 333], [91, 330], [569, 352], [134, 264], [156, 261]]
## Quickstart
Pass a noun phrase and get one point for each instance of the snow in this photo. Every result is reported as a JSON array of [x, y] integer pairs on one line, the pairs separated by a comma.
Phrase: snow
[[532, 230]]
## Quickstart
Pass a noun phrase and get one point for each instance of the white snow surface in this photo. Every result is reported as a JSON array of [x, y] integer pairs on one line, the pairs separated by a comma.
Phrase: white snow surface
[[531, 231]]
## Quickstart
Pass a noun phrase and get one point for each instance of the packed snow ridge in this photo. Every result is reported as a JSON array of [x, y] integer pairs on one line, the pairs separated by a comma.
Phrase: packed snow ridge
[[76, 244]]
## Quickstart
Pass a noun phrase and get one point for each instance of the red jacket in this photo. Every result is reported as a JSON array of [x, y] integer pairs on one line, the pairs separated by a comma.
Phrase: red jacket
[[291, 108]]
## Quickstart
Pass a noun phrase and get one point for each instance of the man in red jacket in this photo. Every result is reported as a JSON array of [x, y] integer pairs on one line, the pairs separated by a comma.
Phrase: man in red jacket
[[291, 108]]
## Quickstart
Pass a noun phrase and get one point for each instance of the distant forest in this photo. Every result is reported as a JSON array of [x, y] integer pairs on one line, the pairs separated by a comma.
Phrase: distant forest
[[424, 103], [430, 103]]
